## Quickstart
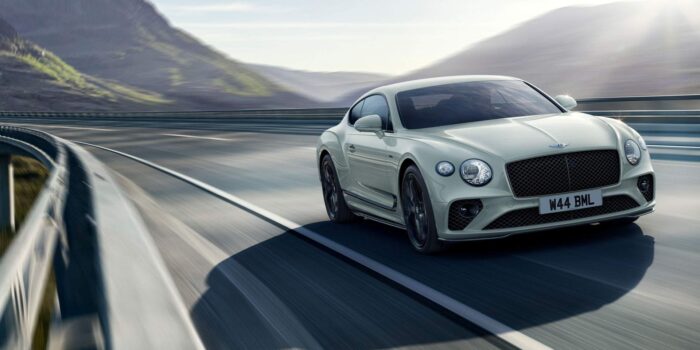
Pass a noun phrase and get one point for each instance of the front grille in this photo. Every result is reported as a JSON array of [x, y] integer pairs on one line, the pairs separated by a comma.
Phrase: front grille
[[564, 173], [532, 216], [460, 216]]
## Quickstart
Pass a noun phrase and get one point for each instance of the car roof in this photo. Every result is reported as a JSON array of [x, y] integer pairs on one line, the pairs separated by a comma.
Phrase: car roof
[[422, 83]]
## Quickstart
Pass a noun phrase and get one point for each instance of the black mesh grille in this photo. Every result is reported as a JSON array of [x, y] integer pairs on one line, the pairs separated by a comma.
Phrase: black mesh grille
[[564, 173], [531, 216], [459, 215], [649, 193]]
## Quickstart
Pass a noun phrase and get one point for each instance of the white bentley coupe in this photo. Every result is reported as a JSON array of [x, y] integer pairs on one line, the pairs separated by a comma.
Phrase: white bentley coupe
[[476, 157]]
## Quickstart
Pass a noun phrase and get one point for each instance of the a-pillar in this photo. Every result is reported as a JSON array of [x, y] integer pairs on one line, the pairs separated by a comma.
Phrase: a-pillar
[[7, 193]]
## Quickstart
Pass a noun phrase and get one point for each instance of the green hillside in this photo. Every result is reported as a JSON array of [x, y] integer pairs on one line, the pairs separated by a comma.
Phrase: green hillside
[[129, 42], [34, 79]]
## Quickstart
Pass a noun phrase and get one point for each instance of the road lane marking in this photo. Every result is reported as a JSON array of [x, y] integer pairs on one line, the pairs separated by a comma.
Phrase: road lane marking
[[500, 330], [63, 127], [198, 137]]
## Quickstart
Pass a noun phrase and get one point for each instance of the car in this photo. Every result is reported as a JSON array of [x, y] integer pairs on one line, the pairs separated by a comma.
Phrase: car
[[479, 157]]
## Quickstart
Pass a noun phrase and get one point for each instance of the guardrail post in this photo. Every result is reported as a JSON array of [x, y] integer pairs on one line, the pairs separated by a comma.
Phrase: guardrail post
[[7, 195]]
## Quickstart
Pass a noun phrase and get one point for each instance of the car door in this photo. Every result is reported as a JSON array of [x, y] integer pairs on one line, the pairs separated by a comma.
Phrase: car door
[[367, 156]]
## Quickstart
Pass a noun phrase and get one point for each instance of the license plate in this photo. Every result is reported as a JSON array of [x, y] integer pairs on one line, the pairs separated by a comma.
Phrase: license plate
[[571, 201]]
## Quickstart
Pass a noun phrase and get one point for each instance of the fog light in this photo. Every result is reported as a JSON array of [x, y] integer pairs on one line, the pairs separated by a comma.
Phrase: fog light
[[470, 209], [645, 184], [463, 212]]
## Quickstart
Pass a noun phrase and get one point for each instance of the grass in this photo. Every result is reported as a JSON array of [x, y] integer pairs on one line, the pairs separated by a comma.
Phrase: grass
[[235, 79], [63, 74], [29, 176], [136, 95], [40, 340], [54, 67], [247, 83], [169, 51], [56, 70], [251, 87], [176, 78]]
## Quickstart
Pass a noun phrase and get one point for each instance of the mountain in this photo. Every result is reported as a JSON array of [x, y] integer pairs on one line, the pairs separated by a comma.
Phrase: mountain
[[34, 79], [624, 48], [321, 86], [129, 42]]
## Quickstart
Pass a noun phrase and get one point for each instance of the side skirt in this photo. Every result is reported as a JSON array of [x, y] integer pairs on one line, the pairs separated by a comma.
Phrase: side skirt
[[380, 220], [371, 202]]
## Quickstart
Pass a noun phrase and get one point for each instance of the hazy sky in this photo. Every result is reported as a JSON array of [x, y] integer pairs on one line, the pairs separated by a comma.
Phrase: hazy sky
[[386, 36]]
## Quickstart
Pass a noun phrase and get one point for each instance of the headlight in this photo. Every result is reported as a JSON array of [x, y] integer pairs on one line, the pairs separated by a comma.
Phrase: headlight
[[476, 172], [632, 152], [445, 168], [642, 143]]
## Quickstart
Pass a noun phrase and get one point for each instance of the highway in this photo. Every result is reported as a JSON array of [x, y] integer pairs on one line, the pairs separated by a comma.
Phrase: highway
[[250, 283]]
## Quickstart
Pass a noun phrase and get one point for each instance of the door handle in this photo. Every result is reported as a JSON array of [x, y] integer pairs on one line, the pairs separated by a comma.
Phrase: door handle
[[351, 148]]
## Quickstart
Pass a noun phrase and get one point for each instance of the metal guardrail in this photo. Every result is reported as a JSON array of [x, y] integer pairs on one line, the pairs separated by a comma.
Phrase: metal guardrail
[[331, 114], [311, 113], [109, 275], [27, 262], [641, 98], [643, 104]]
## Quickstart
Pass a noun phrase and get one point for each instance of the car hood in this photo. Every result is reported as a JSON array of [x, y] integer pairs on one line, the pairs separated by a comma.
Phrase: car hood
[[517, 138]]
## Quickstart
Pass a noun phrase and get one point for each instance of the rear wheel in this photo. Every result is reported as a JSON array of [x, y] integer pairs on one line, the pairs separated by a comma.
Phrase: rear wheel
[[336, 207], [418, 212]]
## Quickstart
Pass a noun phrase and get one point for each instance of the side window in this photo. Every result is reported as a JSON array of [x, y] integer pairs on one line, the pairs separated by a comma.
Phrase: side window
[[356, 112], [376, 104]]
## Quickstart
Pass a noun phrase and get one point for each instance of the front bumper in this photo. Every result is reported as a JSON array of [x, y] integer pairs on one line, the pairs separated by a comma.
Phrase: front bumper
[[497, 205]]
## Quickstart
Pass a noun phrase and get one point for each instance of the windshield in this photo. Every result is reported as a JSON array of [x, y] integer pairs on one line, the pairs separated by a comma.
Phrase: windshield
[[470, 102]]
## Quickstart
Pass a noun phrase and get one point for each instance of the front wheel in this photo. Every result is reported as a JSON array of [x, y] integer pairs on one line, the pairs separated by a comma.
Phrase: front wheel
[[336, 207], [418, 212]]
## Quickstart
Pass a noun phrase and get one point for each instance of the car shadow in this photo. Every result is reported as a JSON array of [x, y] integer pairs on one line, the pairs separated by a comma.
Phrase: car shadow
[[522, 281]]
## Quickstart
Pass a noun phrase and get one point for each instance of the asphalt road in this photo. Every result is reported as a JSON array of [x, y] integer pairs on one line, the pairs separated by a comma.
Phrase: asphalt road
[[249, 283]]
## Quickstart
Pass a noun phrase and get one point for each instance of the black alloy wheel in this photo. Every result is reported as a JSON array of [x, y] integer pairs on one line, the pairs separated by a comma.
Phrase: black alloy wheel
[[336, 207], [418, 213]]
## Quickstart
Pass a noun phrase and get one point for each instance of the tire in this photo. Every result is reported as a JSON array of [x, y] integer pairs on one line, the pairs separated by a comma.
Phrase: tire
[[336, 208], [418, 213]]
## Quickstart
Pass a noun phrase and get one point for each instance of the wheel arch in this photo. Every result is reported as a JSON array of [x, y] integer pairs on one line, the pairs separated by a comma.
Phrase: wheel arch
[[405, 163], [324, 152]]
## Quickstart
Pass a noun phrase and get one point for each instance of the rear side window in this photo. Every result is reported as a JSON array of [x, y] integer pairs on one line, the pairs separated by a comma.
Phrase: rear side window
[[356, 112], [376, 104]]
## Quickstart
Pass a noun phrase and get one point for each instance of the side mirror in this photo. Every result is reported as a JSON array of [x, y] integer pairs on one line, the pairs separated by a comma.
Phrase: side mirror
[[369, 123], [566, 101]]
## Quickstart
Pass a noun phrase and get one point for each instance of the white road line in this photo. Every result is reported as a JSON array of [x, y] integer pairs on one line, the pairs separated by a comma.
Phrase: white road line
[[198, 137], [62, 127], [468, 313], [675, 147]]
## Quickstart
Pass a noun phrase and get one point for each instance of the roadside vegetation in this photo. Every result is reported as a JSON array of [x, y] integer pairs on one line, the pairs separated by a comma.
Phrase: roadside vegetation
[[29, 176]]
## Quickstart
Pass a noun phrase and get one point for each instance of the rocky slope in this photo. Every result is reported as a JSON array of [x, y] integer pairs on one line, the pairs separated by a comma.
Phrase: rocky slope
[[321, 86], [625, 48], [129, 42], [34, 79]]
